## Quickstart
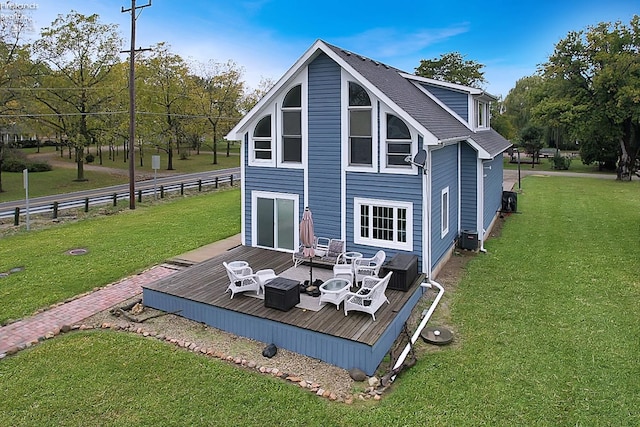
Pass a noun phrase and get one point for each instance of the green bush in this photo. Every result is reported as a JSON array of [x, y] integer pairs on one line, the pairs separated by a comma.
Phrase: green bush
[[90, 158], [39, 167], [16, 161], [560, 162]]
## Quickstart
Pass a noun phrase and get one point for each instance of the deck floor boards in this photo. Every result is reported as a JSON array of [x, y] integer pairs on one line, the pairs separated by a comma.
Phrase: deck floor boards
[[207, 281]]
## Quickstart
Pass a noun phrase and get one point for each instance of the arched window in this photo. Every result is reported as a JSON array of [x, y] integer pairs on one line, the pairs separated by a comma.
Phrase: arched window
[[292, 125], [360, 141], [398, 142], [262, 139]]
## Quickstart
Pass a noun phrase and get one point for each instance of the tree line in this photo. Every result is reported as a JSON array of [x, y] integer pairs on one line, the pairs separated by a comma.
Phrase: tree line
[[585, 97], [72, 85]]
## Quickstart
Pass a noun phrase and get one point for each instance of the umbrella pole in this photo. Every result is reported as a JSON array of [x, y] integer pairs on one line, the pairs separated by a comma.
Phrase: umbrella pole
[[310, 271]]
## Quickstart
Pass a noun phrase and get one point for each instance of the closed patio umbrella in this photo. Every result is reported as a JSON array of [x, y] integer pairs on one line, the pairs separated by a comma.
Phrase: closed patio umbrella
[[307, 238]]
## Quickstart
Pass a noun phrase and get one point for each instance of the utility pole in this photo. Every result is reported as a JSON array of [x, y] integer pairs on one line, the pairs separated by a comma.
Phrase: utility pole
[[132, 101]]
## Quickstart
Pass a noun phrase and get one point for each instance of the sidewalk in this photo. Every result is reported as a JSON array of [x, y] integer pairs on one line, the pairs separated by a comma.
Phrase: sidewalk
[[23, 333]]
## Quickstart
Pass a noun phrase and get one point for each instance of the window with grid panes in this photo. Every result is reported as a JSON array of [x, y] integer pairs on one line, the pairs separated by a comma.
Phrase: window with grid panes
[[383, 223]]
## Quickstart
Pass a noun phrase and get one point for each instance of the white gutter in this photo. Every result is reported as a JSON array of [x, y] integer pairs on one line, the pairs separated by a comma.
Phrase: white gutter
[[430, 284]]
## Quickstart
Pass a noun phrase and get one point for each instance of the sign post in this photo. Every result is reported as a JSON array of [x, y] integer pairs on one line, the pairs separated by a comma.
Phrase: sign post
[[155, 165], [25, 176]]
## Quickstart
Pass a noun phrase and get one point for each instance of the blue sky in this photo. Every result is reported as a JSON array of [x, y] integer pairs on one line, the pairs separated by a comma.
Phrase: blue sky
[[265, 37]]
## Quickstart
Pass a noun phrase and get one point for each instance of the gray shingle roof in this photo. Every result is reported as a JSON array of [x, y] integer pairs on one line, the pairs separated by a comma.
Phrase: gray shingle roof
[[414, 102], [491, 141]]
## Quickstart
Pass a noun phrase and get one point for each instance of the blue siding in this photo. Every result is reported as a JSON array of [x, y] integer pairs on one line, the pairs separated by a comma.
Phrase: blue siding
[[444, 173], [457, 101], [492, 189], [468, 188], [288, 181], [403, 188], [324, 146], [341, 352]]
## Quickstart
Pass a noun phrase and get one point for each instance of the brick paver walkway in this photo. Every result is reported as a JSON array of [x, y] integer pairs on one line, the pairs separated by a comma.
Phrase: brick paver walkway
[[19, 334]]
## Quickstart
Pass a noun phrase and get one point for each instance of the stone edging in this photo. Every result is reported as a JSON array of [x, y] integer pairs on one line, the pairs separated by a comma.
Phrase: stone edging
[[372, 392]]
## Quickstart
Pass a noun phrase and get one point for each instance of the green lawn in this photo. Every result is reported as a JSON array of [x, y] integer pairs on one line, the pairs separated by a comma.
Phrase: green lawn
[[546, 165], [118, 245], [546, 333], [57, 181], [62, 180]]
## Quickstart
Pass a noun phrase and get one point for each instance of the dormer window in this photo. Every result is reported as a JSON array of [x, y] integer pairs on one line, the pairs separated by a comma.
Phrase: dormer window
[[360, 139], [481, 115], [292, 126]]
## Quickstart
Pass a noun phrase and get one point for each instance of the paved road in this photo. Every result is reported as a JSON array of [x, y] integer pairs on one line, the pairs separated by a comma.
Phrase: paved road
[[106, 191]]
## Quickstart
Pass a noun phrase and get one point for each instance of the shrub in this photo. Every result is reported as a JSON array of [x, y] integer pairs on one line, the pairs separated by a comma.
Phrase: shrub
[[560, 162], [17, 161], [39, 167], [90, 158]]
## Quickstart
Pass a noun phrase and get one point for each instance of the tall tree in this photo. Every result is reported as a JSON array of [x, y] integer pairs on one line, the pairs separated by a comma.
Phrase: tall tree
[[221, 89], [14, 66], [453, 68], [164, 94], [501, 121], [79, 53], [593, 80], [521, 99]]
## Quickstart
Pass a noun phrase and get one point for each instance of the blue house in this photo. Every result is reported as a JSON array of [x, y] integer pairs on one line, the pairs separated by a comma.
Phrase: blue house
[[383, 158]]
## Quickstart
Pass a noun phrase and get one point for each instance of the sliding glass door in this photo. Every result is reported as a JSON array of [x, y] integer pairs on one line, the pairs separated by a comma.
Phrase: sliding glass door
[[274, 222]]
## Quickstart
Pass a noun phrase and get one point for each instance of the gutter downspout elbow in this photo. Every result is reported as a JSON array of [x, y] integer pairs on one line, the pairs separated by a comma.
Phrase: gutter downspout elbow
[[482, 249]]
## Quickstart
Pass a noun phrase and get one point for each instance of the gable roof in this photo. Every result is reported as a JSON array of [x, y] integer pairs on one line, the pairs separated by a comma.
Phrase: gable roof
[[399, 90]]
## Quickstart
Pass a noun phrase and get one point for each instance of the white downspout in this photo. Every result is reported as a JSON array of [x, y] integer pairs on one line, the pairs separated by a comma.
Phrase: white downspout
[[481, 207], [429, 284]]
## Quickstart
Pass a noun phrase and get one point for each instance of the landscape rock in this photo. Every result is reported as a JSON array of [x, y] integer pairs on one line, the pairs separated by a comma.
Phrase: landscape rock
[[374, 382], [357, 374]]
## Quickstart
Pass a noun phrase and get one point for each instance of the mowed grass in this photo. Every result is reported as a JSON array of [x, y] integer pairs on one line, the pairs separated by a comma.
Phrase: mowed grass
[[546, 333], [118, 246], [546, 165], [56, 181], [63, 180], [548, 320]]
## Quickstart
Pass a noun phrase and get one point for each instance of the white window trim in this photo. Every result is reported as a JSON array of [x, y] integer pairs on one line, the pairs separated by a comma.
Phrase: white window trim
[[358, 239], [444, 219], [410, 169], [477, 106], [252, 152], [346, 78], [254, 214], [301, 79]]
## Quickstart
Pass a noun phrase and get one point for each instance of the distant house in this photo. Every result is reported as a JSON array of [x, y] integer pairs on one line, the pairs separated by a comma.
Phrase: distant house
[[383, 158]]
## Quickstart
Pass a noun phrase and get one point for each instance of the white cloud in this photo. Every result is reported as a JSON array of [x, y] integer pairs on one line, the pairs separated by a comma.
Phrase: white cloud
[[382, 43]]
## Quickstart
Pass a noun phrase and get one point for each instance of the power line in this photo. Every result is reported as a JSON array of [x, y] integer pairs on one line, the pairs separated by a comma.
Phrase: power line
[[111, 113]]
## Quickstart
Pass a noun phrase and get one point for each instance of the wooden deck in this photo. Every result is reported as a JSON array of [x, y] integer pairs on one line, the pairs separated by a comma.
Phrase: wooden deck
[[327, 334]]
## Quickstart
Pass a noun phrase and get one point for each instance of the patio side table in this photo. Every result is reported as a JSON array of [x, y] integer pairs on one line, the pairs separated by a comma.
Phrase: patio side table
[[334, 291]]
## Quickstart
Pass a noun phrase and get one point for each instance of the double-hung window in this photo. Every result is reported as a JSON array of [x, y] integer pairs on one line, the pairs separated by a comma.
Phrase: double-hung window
[[398, 142], [262, 140], [383, 223], [292, 126], [360, 139]]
